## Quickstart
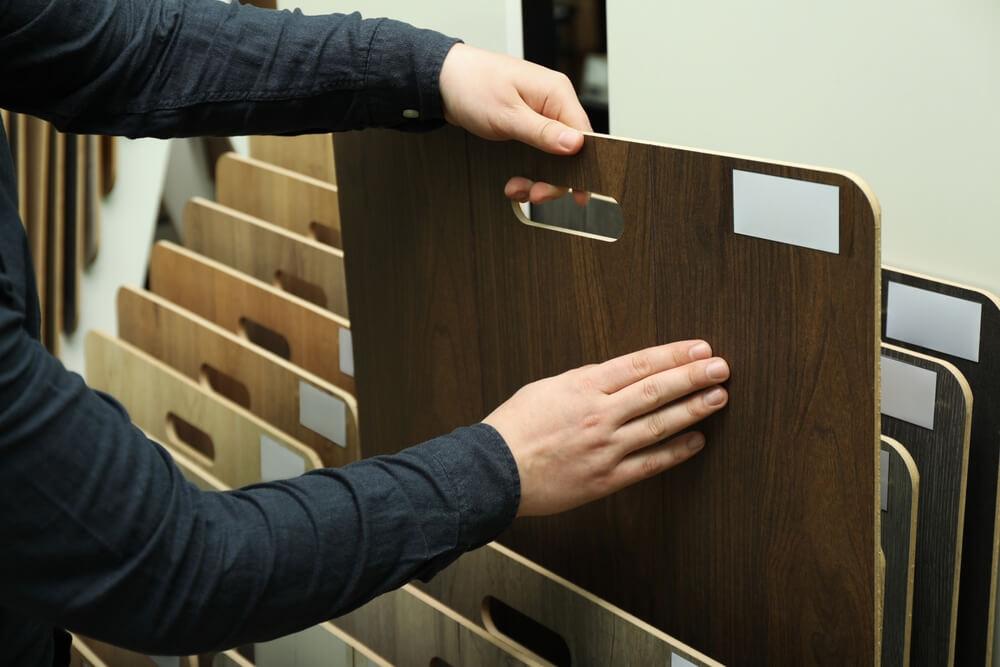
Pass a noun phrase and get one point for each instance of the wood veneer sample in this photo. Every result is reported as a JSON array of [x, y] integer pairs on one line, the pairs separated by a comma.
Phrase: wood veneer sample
[[594, 631], [92, 200], [308, 154], [74, 202], [977, 587], [941, 453], [307, 335], [17, 135], [899, 533], [109, 163], [231, 659], [5, 119], [36, 177], [449, 290], [303, 405], [301, 204], [242, 448], [55, 211], [82, 655], [115, 656], [299, 265]]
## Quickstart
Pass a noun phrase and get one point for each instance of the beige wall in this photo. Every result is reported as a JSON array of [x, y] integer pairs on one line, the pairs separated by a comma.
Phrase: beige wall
[[906, 94]]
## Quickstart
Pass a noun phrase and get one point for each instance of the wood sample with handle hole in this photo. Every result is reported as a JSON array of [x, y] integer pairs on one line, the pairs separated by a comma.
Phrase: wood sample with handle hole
[[899, 533], [497, 588], [292, 328], [229, 442], [754, 551], [308, 269], [296, 202], [299, 403], [308, 154], [961, 325], [938, 440]]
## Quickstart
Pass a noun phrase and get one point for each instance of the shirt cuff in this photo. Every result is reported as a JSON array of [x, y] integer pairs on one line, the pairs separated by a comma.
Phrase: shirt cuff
[[402, 76]]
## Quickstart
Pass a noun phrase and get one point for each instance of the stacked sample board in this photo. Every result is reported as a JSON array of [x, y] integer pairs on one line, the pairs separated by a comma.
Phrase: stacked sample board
[[61, 179], [239, 362]]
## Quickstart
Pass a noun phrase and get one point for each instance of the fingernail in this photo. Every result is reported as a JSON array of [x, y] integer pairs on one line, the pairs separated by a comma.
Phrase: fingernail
[[715, 397], [701, 351], [695, 442], [717, 370], [568, 139]]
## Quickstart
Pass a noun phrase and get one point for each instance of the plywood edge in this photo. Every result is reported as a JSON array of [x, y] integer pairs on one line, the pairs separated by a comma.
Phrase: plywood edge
[[231, 158], [87, 653]]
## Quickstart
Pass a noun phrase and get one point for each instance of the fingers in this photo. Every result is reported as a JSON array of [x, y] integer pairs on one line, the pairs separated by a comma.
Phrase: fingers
[[620, 372], [654, 460], [523, 190], [659, 389], [547, 134], [658, 425]]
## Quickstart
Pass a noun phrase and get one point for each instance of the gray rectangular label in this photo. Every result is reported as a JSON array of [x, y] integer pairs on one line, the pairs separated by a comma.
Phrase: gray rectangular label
[[787, 210], [323, 413], [277, 462], [884, 476], [908, 392], [932, 320]]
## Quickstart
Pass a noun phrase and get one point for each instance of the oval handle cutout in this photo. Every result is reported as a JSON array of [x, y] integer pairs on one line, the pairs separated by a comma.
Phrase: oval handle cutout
[[188, 436], [265, 337], [505, 622], [225, 385], [601, 219], [303, 289]]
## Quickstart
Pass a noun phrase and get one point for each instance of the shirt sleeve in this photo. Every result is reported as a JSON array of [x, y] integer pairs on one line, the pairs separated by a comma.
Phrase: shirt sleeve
[[103, 536], [169, 68]]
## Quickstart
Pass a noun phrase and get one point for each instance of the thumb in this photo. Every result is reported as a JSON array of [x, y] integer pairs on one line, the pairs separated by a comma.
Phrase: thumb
[[543, 133]]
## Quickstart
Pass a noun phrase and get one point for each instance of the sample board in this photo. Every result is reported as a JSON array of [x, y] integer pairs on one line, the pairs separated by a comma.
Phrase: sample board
[[961, 325], [900, 494], [229, 442], [299, 265], [55, 212], [308, 154], [307, 335], [773, 556], [298, 203], [317, 413], [927, 405]]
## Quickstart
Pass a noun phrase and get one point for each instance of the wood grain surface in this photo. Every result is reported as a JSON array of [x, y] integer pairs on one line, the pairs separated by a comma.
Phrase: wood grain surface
[[109, 163], [55, 241], [595, 632], [74, 202], [977, 587], [308, 154], [772, 558], [150, 391], [942, 456], [295, 263], [18, 131], [269, 386], [310, 335], [296, 202], [899, 534], [36, 175], [114, 656], [81, 655], [92, 200]]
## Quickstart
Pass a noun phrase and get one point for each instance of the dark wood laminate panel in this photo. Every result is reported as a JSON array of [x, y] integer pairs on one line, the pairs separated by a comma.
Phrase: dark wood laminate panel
[[72, 231], [772, 558], [977, 587], [899, 533], [55, 241]]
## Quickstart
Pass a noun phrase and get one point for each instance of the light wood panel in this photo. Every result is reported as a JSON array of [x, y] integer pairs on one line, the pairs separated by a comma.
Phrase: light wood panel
[[298, 203], [308, 154], [231, 659], [299, 265], [18, 146], [755, 552], [595, 632], [899, 534], [977, 588], [236, 301], [150, 391], [268, 386], [115, 656], [55, 241], [82, 655]]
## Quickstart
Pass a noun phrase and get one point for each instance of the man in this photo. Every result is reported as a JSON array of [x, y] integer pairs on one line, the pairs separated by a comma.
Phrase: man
[[100, 533]]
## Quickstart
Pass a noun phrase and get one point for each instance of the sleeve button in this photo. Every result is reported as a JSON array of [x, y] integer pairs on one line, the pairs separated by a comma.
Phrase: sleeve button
[[411, 113]]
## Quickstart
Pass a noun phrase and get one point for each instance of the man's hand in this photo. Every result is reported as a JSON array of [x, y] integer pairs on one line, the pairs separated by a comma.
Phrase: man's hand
[[594, 430], [498, 97]]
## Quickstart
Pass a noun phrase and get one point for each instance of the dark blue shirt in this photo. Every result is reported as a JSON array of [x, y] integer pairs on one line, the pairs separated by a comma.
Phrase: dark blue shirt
[[99, 532]]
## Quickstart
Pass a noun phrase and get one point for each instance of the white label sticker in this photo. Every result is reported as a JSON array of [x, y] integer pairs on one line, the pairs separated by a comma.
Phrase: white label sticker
[[787, 210], [884, 476], [277, 462], [322, 412], [677, 660], [908, 392], [346, 353], [932, 320]]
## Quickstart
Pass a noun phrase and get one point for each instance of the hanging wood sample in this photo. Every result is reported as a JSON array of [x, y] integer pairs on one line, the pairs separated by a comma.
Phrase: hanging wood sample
[[961, 325], [449, 290], [899, 533], [81, 655], [228, 441], [308, 336], [296, 264], [306, 407], [109, 164], [73, 201], [298, 203], [35, 145], [308, 154], [491, 578], [19, 151], [927, 404], [55, 211], [231, 659], [115, 656], [92, 200]]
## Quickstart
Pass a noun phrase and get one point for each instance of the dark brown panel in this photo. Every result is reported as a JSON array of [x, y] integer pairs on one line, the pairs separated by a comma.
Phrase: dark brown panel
[[757, 551], [977, 588], [72, 231], [55, 246]]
